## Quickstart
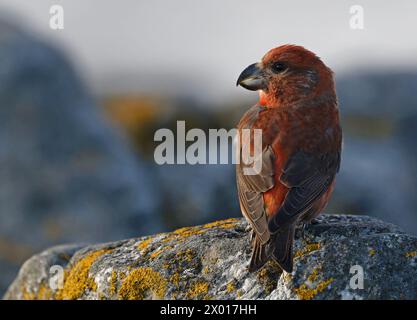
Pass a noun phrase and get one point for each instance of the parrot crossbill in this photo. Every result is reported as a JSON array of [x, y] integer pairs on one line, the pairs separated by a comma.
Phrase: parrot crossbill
[[301, 149]]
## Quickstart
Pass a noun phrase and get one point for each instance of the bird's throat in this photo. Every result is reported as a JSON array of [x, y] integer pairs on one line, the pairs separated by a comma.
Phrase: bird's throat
[[263, 98]]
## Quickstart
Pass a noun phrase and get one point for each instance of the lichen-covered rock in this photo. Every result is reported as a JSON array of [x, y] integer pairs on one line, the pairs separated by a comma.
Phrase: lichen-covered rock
[[210, 262]]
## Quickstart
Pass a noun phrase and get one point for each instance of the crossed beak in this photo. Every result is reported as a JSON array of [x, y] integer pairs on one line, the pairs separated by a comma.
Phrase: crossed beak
[[252, 78]]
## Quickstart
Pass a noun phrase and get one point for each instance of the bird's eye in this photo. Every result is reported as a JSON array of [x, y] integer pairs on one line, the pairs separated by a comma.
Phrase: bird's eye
[[278, 67]]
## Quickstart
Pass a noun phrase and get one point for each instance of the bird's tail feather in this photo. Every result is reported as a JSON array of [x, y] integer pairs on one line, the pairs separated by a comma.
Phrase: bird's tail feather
[[281, 246], [259, 255]]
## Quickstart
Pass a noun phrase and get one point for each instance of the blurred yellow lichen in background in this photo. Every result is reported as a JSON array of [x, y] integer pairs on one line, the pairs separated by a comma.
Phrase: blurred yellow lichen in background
[[132, 111]]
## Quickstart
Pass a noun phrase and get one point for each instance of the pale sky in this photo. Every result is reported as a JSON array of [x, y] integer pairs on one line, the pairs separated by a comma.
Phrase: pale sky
[[200, 47]]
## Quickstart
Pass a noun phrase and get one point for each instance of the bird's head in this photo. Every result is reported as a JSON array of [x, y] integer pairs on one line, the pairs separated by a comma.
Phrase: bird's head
[[288, 74]]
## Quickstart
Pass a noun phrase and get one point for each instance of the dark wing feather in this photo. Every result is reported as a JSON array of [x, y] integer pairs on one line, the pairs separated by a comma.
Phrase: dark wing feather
[[308, 176], [251, 187]]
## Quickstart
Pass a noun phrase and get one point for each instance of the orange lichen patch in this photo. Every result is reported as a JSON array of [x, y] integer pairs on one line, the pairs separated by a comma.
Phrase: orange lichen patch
[[198, 290], [411, 254], [77, 280], [144, 244], [142, 281], [307, 249], [372, 252], [308, 292]]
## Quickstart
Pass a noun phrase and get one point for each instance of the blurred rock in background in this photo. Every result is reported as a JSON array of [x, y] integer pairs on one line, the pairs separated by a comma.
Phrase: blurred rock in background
[[378, 174], [66, 175]]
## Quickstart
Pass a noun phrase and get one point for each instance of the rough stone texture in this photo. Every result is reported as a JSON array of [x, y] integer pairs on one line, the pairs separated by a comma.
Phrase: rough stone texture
[[210, 262], [65, 174]]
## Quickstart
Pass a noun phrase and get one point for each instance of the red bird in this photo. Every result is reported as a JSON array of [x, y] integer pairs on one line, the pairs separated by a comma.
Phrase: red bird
[[301, 146]]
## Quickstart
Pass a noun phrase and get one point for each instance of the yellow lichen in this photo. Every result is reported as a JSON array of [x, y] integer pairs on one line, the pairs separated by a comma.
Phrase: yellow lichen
[[44, 292], [144, 244], [187, 232], [307, 249], [77, 279], [411, 254], [142, 281], [305, 293], [287, 277], [186, 255], [372, 252], [27, 295], [224, 224], [230, 287], [181, 234], [113, 283], [268, 276], [198, 291], [175, 279], [313, 276]]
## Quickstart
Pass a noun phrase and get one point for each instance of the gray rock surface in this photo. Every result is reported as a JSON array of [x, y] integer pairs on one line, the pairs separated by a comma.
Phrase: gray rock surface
[[210, 262], [65, 174]]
